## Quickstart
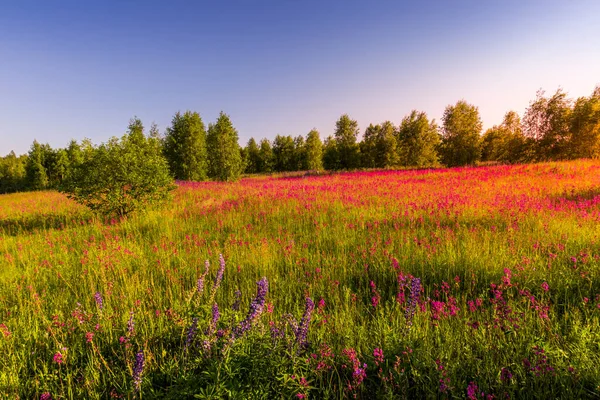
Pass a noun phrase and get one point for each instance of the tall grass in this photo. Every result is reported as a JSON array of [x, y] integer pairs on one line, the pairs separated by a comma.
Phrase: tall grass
[[508, 302]]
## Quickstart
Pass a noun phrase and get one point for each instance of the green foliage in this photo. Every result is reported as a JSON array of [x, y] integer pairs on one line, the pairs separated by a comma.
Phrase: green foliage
[[252, 157], [461, 142], [418, 141], [299, 162], [185, 147], [36, 176], [331, 158], [283, 153], [266, 158], [585, 127], [346, 134], [122, 176], [314, 151], [224, 157], [379, 147], [546, 122], [12, 173]]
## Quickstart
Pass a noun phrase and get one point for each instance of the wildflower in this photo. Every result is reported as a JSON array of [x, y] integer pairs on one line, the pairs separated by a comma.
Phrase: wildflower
[[191, 332], [130, 324], [220, 273], [256, 309], [215, 318], [4, 330], [413, 299], [99, 301], [138, 369], [300, 396], [359, 374], [378, 354], [46, 396], [236, 303], [505, 375], [472, 391], [302, 330], [200, 282], [89, 336], [58, 358], [545, 286]]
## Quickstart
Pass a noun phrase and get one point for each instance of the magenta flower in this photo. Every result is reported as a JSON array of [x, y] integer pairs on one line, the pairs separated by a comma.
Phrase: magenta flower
[[58, 358]]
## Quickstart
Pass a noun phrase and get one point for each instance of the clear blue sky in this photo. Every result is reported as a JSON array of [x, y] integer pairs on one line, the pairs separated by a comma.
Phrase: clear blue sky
[[75, 69]]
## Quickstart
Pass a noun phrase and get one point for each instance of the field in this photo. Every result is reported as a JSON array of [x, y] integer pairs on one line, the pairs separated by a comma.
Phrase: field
[[459, 283]]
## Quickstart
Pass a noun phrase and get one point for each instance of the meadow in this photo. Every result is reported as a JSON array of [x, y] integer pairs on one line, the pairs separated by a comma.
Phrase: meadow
[[479, 283]]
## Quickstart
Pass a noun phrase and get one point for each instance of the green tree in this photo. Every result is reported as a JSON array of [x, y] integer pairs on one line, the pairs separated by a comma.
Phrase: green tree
[[314, 151], [585, 127], [331, 157], [35, 172], [346, 134], [252, 157], [185, 147], [283, 151], [418, 141], [300, 163], [368, 147], [57, 166], [12, 173], [224, 157], [546, 122], [461, 130], [266, 159], [505, 142], [122, 176]]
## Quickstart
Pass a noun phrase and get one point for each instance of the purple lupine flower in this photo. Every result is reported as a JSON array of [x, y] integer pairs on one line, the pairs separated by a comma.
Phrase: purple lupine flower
[[191, 332], [138, 369], [220, 273], [130, 324], [200, 282], [302, 330], [256, 308], [215, 317], [413, 299], [292, 321], [99, 301], [236, 303]]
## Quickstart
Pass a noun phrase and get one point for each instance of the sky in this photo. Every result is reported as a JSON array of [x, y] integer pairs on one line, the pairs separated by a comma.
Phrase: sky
[[82, 69]]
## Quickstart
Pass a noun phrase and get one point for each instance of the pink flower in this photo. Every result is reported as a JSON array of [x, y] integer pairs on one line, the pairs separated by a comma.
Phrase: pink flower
[[88, 337], [58, 358], [378, 354], [545, 286], [301, 396]]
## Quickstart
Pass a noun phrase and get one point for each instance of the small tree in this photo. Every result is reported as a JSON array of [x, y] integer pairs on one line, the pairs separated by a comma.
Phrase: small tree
[[461, 143], [252, 157], [122, 176], [266, 157], [185, 147], [314, 151], [418, 141], [224, 157], [346, 134]]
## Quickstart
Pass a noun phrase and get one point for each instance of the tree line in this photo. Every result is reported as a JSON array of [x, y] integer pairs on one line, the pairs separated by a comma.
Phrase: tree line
[[552, 128]]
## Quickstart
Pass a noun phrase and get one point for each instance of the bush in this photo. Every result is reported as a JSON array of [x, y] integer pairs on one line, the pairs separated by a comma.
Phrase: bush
[[122, 176]]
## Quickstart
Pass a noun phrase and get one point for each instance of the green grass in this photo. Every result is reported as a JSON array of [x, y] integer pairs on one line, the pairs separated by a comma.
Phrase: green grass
[[326, 237]]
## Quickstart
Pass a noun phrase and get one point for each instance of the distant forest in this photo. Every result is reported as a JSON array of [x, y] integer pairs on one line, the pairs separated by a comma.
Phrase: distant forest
[[552, 128]]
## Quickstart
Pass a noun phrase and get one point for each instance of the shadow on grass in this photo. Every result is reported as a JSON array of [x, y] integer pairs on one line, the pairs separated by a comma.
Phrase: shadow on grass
[[34, 223], [577, 195]]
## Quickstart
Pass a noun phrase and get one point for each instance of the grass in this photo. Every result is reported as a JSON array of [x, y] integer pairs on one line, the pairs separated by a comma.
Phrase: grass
[[508, 305]]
